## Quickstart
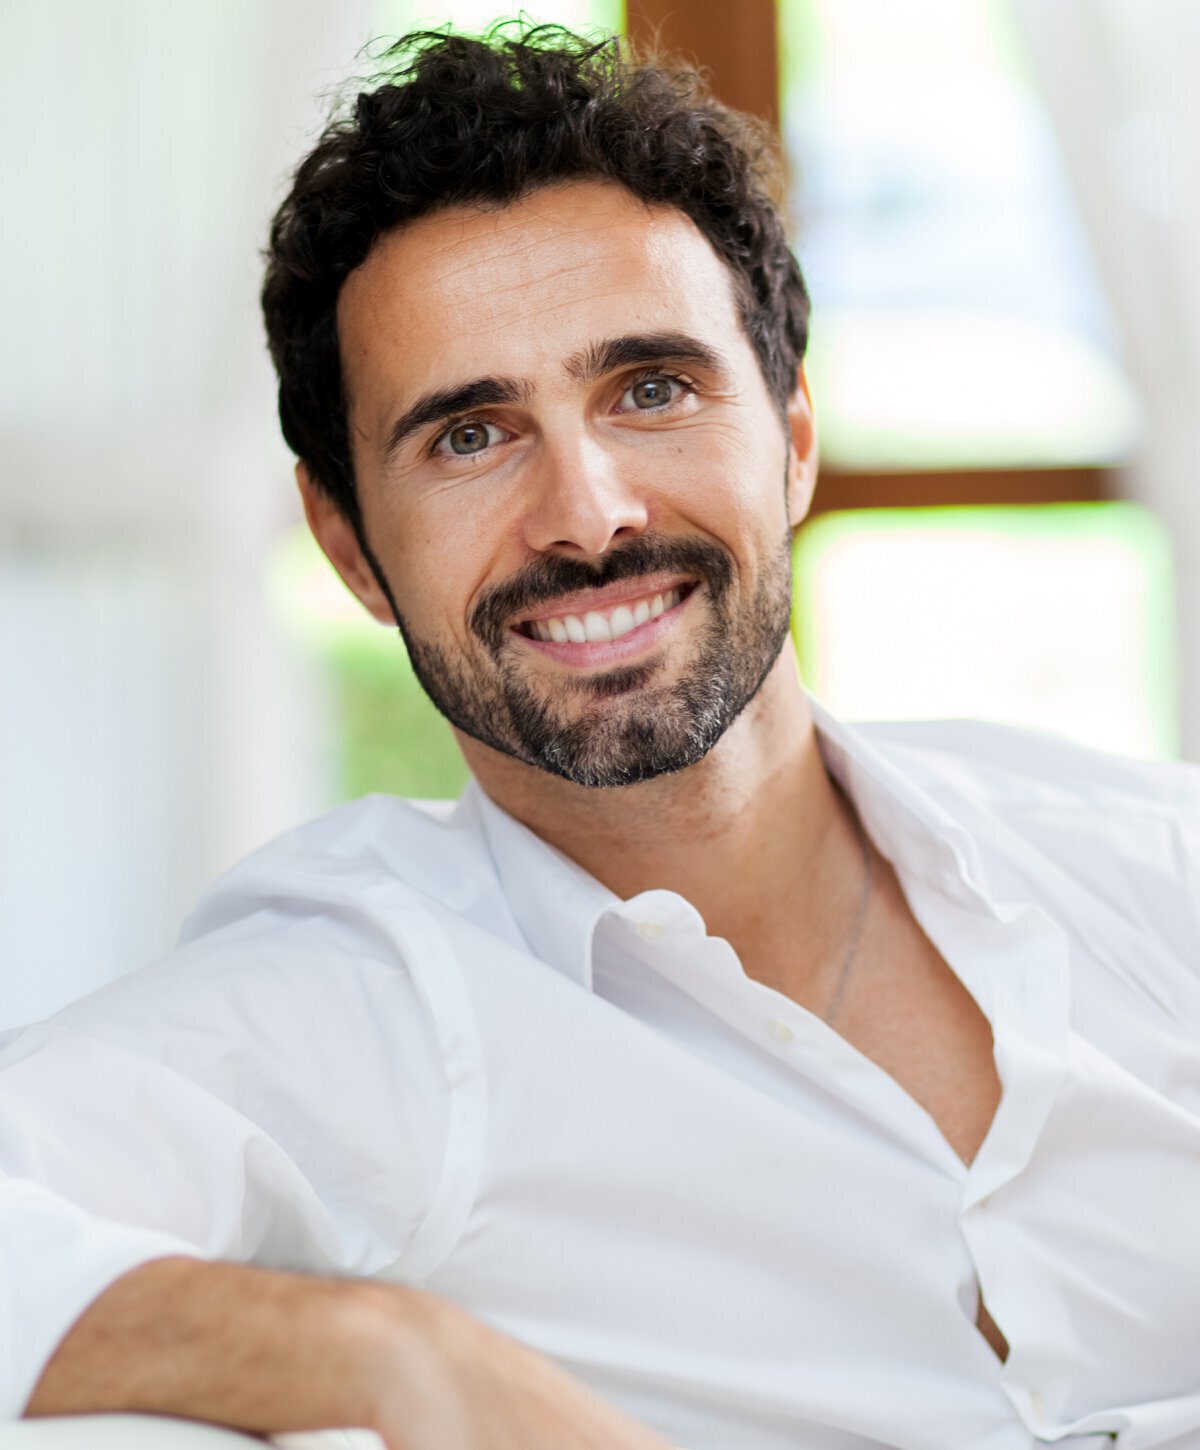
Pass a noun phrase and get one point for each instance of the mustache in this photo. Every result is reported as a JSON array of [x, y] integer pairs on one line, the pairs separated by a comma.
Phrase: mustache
[[557, 574]]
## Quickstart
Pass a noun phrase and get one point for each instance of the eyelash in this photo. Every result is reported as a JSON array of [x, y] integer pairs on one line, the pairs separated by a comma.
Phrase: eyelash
[[685, 384], [435, 446]]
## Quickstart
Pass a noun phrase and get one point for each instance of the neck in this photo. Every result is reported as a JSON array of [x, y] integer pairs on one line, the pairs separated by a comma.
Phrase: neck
[[755, 835]]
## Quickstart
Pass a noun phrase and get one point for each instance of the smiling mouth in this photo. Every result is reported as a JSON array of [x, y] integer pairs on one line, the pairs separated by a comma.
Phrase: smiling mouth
[[600, 626]]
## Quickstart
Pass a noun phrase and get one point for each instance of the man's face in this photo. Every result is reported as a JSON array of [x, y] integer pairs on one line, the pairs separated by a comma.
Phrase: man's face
[[572, 478]]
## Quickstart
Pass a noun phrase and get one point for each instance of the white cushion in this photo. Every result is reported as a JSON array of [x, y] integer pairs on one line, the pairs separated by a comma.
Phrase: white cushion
[[151, 1432]]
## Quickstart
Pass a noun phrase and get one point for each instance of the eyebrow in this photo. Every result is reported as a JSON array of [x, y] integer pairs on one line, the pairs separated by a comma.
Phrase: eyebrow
[[586, 366], [445, 403], [620, 352]]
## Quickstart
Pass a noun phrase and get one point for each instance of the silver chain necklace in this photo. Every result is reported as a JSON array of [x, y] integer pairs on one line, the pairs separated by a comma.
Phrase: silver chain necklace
[[860, 918]]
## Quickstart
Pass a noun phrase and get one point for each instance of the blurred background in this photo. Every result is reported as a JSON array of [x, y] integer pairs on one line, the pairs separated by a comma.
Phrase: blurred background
[[994, 202]]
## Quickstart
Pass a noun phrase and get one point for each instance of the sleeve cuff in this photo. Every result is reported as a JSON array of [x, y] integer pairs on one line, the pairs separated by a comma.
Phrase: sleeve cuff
[[55, 1260]]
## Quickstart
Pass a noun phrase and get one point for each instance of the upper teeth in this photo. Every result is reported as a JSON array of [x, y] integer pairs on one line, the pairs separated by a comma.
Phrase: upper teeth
[[597, 625]]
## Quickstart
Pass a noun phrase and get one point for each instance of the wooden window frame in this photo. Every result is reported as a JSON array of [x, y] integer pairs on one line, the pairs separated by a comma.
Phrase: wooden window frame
[[737, 47], [949, 488]]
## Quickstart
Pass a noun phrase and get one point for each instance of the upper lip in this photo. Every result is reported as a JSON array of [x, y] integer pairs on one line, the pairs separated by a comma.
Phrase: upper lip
[[621, 591]]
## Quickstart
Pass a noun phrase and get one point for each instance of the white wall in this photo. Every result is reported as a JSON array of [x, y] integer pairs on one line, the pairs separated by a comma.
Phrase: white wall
[[154, 723]]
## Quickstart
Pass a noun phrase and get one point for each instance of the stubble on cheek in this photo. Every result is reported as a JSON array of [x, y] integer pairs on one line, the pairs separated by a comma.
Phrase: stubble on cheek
[[618, 728]]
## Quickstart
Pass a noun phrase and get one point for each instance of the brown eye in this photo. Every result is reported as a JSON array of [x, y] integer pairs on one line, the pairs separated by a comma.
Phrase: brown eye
[[652, 392], [468, 438]]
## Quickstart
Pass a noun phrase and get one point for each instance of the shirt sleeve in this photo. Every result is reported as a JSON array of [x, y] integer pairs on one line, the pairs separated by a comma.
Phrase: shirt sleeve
[[271, 1094], [55, 1259]]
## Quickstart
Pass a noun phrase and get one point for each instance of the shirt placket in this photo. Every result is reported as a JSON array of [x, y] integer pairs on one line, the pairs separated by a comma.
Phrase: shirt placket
[[1015, 961]]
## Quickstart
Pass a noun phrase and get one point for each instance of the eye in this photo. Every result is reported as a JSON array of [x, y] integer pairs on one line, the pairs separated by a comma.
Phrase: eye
[[656, 390], [469, 437]]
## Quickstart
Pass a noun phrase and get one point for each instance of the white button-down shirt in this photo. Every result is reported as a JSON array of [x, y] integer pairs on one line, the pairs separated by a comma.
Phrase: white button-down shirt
[[423, 1045]]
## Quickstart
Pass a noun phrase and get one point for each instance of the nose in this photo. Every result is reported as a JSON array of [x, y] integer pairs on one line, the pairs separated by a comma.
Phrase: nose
[[581, 499]]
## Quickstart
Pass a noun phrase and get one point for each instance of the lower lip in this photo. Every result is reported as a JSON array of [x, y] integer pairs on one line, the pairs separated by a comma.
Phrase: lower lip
[[592, 654]]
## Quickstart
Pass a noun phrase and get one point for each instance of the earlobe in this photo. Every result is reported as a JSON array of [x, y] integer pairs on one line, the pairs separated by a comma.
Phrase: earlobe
[[802, 451], [339, 543]]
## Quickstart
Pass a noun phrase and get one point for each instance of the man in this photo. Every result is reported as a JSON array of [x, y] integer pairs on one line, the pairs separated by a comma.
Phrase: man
[[713, 1075]]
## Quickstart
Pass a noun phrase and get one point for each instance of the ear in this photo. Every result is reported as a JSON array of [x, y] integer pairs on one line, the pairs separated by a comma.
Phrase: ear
[[339, 543], [802, 451]]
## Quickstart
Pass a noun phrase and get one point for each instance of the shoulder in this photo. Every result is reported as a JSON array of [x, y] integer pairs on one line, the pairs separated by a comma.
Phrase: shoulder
[[303, 1043], [1011, 766], [327, 945], [1111, 840], [344, 861]]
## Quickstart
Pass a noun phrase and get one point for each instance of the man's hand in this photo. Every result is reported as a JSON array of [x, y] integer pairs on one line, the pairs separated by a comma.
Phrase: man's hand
[[272, 1352]]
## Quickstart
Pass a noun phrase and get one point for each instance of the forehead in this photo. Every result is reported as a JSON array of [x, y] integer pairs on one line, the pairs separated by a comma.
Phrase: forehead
[[514, 290]]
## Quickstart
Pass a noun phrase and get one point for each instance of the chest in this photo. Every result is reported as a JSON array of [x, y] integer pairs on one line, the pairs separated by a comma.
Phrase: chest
[[923, 1028], [703, 1251], [904, 1008], [713, 1256], [710, 1234], [917, 1022]]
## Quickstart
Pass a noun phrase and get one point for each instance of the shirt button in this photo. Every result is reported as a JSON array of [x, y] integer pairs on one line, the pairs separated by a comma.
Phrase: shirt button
[[780, 1031], [1037, 1403], [650, 930]]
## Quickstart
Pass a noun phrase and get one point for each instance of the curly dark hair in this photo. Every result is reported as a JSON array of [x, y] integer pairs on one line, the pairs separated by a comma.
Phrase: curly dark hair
[[458, 121]]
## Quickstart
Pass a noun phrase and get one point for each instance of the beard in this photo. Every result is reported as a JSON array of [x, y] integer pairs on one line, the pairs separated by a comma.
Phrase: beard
[[623, 728]]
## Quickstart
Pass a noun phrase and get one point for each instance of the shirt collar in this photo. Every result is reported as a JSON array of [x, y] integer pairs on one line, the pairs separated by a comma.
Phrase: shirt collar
[[915, 831], [557, 905]]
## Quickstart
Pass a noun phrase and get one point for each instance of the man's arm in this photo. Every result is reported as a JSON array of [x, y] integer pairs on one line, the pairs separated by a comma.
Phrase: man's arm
[[269, 1352]]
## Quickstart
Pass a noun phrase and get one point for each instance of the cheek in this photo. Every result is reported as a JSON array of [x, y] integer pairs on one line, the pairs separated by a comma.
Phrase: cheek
[[447, 556], [735, 483]]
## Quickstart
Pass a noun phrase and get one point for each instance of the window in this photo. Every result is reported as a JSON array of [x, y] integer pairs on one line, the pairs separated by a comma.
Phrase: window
[[958, 317]]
